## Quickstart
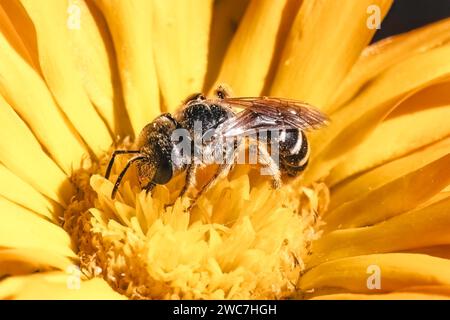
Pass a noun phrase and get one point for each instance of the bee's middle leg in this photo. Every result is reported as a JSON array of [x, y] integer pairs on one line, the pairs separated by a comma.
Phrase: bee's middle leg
[[189, 182], [221, 172]]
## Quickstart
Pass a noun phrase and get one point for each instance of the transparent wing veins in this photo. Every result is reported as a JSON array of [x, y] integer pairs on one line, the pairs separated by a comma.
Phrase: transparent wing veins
[[263, 113]]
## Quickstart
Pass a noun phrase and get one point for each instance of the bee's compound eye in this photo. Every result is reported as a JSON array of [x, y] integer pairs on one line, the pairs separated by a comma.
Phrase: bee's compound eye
[[164, 172], [195, 97]]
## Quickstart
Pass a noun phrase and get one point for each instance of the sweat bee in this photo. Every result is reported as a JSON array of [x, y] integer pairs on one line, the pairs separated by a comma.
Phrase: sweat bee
[[159, 157]]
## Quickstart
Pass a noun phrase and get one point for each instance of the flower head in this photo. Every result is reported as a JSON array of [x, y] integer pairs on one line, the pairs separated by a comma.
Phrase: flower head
[[369, 218]]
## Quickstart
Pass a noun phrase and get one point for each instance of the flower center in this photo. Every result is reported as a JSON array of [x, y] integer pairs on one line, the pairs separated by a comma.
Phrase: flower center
[[242, 239]]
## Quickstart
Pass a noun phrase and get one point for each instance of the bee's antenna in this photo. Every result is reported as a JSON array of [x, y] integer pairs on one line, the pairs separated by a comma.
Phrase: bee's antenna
[[119, 178], [111, 162]]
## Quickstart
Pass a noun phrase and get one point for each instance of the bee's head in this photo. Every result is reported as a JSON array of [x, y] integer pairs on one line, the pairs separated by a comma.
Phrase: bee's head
[[155, 144]]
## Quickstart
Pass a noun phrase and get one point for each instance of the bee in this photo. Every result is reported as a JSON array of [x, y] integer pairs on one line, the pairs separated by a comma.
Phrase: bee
[[159, 158]]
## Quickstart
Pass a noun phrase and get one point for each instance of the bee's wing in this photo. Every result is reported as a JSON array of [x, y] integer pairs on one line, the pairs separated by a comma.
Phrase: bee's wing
[[262, 113]]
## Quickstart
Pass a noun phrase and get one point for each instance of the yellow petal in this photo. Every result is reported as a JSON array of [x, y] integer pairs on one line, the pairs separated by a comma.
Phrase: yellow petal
[[393, 198], [24, 28], [58, 67], [418, 293], [416, 229], [420, 120], [56, 286], [398, 270], [20, 228], [442, 251], [373, 179], [444, 194], [225, 20], [27, 93], [22, 154], [268, 18], [10, 32], [365, 112], [16, 190], [180, 47], [326, 39], [93, 51], [25, 261], [385, 53], [130, 24]]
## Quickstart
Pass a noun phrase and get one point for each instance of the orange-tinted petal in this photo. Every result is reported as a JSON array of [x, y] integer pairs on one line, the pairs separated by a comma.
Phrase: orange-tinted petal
[[23, 88], [180, 46], [400, 195], [24, 157], [397, 271], [378, 99], [263, 17], [415, 293], [357, 186], [326, 39], [226, 18], [17, 261], [95, 59], [21, 228], [130, 23], [381, 55], [58, 67], [416, 229], [57, 285], [418, 121]]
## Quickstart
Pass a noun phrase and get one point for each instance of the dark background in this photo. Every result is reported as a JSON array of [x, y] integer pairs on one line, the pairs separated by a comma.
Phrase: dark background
[[406, 15]]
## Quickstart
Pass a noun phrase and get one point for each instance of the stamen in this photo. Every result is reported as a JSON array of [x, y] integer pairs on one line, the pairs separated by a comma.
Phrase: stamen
[[241, 240]]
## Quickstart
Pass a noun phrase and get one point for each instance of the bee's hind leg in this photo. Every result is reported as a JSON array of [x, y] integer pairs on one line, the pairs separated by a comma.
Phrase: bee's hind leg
[[222, 171], [269, 164]]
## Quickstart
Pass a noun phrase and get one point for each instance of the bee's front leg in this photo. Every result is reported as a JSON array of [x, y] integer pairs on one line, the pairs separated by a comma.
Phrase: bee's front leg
[[149, 187], [190, 178]]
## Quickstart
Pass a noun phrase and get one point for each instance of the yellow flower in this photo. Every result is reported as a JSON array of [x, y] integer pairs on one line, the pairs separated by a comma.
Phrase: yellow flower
[[370, 217]]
